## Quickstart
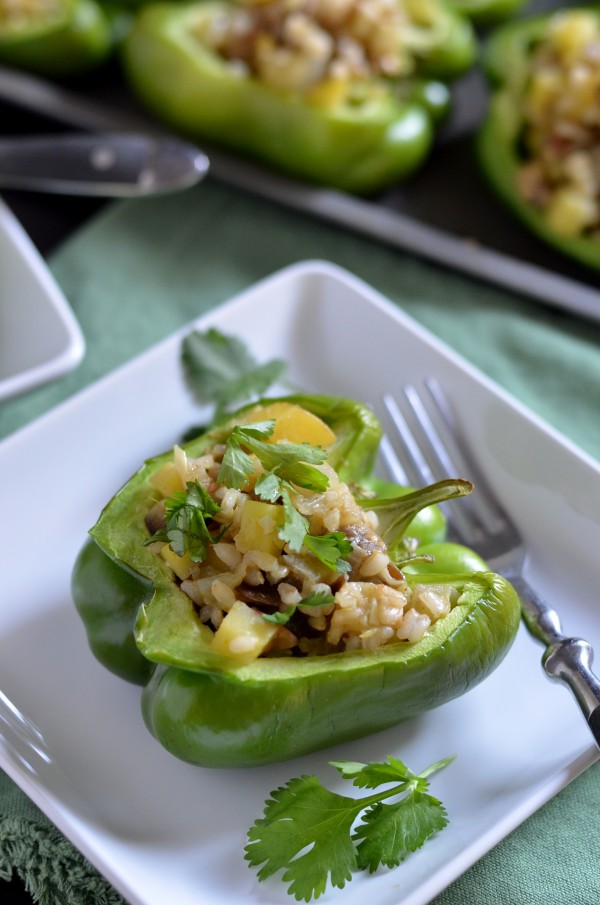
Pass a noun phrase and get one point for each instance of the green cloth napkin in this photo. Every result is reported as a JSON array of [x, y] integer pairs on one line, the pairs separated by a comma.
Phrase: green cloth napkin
[[32, 848], [143, 269]]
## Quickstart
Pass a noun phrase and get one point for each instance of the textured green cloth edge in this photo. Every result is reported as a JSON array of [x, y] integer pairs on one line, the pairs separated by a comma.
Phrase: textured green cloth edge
[[52, 870]]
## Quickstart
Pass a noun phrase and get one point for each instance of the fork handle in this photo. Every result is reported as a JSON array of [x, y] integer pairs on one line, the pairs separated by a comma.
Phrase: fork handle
[[570, 660], [566, 659]]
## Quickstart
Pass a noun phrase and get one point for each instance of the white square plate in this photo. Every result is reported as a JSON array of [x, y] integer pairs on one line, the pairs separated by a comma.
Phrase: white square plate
[[40, 338], [164, 831]]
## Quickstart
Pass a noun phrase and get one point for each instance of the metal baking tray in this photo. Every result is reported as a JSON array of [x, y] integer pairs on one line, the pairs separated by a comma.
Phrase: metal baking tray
[[445, 213]]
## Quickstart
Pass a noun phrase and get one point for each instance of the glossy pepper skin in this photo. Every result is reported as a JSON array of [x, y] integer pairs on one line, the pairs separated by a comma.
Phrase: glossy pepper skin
[[355, 147], [487, 12], [76, 37], [289, 707], [208, 711], [507, 65]]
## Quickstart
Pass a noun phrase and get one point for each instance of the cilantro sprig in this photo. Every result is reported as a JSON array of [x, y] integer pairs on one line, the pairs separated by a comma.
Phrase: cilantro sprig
[[316, 599], [295, 526], [286, 465], [330, 549], [220, 369], [292, 463], [309, 832], [186, 530]]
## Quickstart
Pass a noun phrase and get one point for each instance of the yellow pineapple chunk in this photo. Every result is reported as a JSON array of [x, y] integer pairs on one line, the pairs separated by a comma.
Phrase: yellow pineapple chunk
[[544, 88], [572, 30], [167, 479], [293, 424], [259, 528], [329, 93], [243, 634], [569, 212], [181, 565]]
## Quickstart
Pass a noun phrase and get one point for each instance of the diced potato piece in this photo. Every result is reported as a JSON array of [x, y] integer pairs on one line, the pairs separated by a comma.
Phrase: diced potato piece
[[243, 634], [572, 30], [181, 565], [294, 424], [167, 480], [570, 212], [544, 87], [259, 528], [329, 93]]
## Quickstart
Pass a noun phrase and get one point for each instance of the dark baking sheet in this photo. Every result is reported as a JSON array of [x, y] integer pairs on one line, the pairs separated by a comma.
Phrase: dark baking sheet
[[446, 212]]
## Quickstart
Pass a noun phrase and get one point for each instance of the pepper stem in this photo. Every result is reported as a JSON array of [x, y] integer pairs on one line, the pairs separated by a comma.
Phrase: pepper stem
[[396, 513]]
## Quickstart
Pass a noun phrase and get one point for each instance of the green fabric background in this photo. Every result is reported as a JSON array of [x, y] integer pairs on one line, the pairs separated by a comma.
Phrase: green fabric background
[[141, 270]]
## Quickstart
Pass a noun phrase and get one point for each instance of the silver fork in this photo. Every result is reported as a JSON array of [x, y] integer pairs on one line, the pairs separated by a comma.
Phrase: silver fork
[[427, 447]]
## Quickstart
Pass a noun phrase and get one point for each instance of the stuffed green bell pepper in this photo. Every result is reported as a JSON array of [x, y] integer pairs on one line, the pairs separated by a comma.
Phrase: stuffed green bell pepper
[[55, 38], [253, 582], [538, 143], [340, 94]]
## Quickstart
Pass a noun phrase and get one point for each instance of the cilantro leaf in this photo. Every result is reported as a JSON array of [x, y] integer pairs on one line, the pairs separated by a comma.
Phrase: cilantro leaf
[[438, 765], [268, 487], [186, 513], [295, 526], [282, 617], [316, 599], [307, 831], [292, 463], [390, 832], [199, 498], [304, 817], [287, 462], [256, 430], [237, 466], [330, 550], [251, 383], [300, 473], [221, 370], [371, 776]]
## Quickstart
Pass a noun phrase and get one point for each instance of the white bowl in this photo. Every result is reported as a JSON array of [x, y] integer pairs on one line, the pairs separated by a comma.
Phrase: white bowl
[[40, 338]]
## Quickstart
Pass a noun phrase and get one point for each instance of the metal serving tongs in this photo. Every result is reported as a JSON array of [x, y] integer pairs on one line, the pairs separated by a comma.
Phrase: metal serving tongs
[[114, 164]]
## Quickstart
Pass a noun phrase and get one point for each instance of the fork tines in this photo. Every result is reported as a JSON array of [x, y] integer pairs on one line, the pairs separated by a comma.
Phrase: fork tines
[[427, 446]]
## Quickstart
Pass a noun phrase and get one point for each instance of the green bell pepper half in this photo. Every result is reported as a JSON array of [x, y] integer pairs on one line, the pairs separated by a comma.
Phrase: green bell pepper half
[[108, 597], [507, 66], [72, 37], [204, 708], [358, 147]]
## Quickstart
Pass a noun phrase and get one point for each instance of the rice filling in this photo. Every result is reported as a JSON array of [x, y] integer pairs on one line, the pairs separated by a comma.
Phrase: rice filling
[[264, 594]]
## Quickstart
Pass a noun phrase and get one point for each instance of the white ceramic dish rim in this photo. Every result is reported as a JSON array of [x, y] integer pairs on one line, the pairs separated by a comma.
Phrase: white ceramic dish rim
[[56, 800], [49, 295]]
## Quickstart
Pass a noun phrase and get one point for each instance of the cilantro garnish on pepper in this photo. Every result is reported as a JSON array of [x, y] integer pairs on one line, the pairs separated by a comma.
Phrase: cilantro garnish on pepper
[[186, 531]]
